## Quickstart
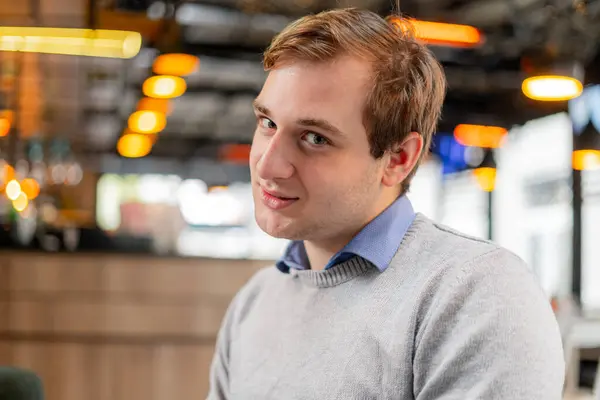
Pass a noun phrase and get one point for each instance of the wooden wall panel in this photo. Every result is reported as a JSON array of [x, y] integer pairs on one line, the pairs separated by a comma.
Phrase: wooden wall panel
[[162, 276], [72, 371], [5, 352], [4, 315], [4, 290], [110, 327]]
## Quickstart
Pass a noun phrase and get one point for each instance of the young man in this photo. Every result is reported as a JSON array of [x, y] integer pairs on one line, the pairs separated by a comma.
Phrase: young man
[[370, 301]]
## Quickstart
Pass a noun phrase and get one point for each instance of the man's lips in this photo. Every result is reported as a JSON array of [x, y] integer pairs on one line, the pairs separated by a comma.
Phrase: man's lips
[[279, 195], [276, 200]]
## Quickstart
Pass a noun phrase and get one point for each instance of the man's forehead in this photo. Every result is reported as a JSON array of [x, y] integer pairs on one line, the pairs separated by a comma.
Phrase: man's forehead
[[318, 81], [341, 68]]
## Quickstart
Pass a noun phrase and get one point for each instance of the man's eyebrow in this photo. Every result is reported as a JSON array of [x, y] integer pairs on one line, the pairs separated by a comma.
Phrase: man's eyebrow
[[319, 123], [260, 108], [307, 122]]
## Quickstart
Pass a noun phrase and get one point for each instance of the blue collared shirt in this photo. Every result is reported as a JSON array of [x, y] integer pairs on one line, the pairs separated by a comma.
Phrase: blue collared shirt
[[377, 242]]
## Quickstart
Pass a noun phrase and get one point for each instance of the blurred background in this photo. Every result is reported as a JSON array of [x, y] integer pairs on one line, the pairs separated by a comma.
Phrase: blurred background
[[125, 204]]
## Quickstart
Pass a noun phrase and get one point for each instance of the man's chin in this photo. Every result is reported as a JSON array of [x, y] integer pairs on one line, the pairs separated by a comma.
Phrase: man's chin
[[278, 227], [277, 234]]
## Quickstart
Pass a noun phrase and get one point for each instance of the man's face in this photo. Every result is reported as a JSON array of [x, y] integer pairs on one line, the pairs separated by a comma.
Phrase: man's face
[[313, 177]]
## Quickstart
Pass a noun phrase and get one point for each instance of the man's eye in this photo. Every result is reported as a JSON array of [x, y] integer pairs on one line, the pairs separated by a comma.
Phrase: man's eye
[[315, 140], [267, 123]]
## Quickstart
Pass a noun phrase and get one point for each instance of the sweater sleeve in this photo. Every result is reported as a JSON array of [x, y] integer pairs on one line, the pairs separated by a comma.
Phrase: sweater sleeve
[[489, 333]]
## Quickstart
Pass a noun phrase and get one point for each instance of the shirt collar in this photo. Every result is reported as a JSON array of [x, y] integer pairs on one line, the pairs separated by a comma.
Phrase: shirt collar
[[294, 257], [377, 242]]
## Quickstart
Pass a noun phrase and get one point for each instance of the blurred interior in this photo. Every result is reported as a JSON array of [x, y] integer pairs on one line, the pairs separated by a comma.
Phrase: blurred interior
[[127, 215]]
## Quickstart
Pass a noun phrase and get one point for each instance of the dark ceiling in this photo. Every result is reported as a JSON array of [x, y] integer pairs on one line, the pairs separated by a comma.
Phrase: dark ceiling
[[229, 36]]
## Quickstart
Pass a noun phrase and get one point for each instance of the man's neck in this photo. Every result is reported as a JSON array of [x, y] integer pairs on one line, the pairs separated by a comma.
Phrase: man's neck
[[320, 253]]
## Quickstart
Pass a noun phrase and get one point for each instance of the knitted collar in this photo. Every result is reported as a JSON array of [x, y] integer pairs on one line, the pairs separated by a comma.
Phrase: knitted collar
[[335, 275]]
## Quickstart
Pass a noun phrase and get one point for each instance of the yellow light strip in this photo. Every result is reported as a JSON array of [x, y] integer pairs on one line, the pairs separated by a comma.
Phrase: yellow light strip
[[486, 178], [585, 160], [441, 34], [490, 137], [77, 42], [552, 88], [447, 34]]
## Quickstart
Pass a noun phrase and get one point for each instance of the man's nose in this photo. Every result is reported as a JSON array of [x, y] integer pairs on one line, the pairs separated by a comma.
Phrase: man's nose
[[275, 161]]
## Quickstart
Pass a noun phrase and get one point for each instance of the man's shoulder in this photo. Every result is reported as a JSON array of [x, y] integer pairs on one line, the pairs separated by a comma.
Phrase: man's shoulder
[[443, 247], [439, 260], [466, 276], [481, 313]]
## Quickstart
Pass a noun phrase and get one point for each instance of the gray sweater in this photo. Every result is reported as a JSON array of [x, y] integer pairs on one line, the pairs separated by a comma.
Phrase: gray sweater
[[453, 317]]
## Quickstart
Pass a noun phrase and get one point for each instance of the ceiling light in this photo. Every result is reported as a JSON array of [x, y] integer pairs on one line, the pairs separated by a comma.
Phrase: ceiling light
[[151, 104], [178, 64], [490, 137], [78, 42], [485, 174], [552, 88], [164, 86], [147, 122], [439, 33], [586, 149], [134, 145], [557, 82]]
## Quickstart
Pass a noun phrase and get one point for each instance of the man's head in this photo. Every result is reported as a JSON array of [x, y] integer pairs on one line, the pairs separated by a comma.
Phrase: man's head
[[346, 114]]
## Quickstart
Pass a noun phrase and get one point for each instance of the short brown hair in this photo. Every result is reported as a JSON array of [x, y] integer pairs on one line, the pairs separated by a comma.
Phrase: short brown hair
[[408, 86]]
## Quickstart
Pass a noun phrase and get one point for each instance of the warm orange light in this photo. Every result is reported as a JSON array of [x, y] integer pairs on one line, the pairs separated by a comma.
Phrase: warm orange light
[[235, 153], [177, 64], [218, 188], [13, 189], [442, 34], [30, 187], [4, 127], [6, 118], [151, 104], [21, 202], [134, 145], [147, 122], [489, 137], [7, 174], [552, 88], [586, 160], [69, 41], [486, 178], [164, 86]]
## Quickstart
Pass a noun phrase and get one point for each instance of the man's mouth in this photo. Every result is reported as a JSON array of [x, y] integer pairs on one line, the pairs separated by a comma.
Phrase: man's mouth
[[276, 200]]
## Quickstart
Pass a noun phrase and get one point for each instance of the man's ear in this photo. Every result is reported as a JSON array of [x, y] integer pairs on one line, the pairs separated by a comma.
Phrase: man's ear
[[402, 159]]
